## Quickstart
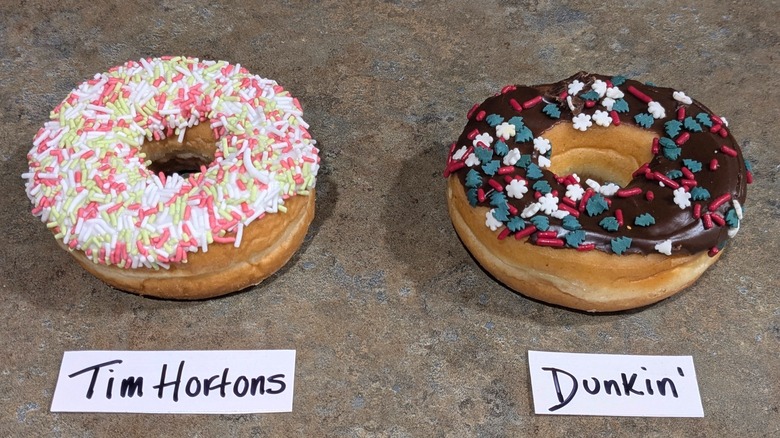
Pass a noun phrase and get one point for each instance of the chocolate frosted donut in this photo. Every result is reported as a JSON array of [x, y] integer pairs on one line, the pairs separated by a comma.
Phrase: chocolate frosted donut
[[596, 169]]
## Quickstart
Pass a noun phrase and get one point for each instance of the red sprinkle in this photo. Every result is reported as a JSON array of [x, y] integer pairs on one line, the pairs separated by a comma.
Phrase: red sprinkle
[[688, 174], [720, 200], [496, 185], [586, 247], [532, 102], [714, 164], [619, 216], [481, 195], [707, 219], [641, 170], [503, 170], [515, 105], [655, 148], [512, 209], [681, 113], [481, 115], [615, 117], [639, 95], [508, 88], [688, 183], [547, 234], [471, 111], [723, 132], [749, 177], [525, 232], [649, 195], [664, 179], [625, 193], [713, 251], [473, 134], [584, 201], [573, 211], [718, 219], [502, 235], [682, 138], [715, 128], [697, 211], [550, 242], [728, 151], [590, 103]]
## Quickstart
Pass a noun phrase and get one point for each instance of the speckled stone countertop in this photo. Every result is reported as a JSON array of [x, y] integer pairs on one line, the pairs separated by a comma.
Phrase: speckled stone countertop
[[398, 331]]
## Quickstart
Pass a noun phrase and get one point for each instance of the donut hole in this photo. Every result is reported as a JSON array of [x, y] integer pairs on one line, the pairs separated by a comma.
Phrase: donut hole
[[169, 156], [603, 154]]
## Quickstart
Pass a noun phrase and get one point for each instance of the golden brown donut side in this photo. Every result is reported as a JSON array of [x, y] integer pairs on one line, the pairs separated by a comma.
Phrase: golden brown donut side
[[267, 244], [570, 278]]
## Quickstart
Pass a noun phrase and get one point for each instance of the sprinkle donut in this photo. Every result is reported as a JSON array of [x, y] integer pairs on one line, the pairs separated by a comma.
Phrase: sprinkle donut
[[596, 193], [176, 177]]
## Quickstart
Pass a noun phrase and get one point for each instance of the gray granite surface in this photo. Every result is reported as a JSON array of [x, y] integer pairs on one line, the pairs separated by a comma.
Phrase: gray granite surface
[[398, 331]]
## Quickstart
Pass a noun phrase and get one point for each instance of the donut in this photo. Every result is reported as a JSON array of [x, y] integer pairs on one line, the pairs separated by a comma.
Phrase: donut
[[595, 193], [176, 177]]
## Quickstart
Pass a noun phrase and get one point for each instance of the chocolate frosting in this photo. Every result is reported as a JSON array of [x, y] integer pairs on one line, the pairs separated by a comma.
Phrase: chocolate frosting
[[685, 148]]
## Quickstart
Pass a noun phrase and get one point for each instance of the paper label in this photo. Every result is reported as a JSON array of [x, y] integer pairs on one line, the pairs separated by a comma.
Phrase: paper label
[[191, 382], [614, 385]]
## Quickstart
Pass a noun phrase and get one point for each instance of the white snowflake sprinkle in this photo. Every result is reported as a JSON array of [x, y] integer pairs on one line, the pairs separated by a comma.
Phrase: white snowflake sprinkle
[[574, 192], [608, 103], [664, 247], [516, 188], [725, 122], [505, 131], [491, 221], [656, 109], [544, 161], [542, 145], [531, 210], [459, 153], [737, 208], [682, 98], [548, 203], [609, 189], [582, 122], [512, 157], [733, 230], [593, 184], [614, 93], [483, 140], [575, 87], [600, 87], [682, 198], [472, 160], [602, 118], [560, 214]]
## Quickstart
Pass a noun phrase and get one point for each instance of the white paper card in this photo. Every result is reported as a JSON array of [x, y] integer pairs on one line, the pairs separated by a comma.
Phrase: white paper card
[[180, 382], [614, 385]]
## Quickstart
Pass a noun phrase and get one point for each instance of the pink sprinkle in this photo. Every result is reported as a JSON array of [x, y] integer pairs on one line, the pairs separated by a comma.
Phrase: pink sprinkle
[[508, 88], [649, 195], [532, 102], [720, 200], [481, 115], [471, 111], [638, 94], [515, 105], [480, 195], [590, 103], [713, 251], [525, 232], [547, 234], [473, 134], [715, 128], [749, 177], [625, 193], [682, 138], [723, 132], [619, 216], [504, 170], [586, 247], [697, 211], [728, 151], [564, 94], [707, 220], [681, 113], [655, 148]]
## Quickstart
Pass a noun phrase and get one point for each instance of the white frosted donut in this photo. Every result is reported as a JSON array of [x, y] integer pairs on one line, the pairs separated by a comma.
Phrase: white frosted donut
[[89, 178]]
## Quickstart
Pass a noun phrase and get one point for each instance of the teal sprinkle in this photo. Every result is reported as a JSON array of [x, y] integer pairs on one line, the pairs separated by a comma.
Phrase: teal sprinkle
[[609, 223], [542, 186], [620, 106], [571, 223], [674, 173], [517, 121], [700, 194], [748, 166], [491, 167], [590, 95], [650, 84], [620, 244], [667, 142], [731, 218], [692, 165], [515, 224], [691, 124], [523, 134], [501, 213], [542, 223], [574, 238], [552, 111], [704, 119], [672, 153], [498, 199], [473, 179], [722, 244], [644, 120], [533, 171], [483, 154], [596, 205], [644, 220], [501, 148], [618, 80], [672, 128], [524, 161], [472, 195], [494, 120]]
